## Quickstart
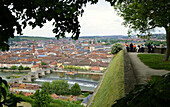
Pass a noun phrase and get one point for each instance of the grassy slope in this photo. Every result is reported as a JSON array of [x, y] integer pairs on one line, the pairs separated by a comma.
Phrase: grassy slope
[[112, 87], [154, 61]]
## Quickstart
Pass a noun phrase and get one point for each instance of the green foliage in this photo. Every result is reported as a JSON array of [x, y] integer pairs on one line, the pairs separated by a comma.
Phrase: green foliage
[[42, 99], [61, 103], [157, 43], [154, 94], [86, 94], [13, 67], [27, 68], [7, 98], [19, 14], [4, 90], [76, 68], [60, 87], [116, 48], [20, 67], [144, 16], [43, 63], [47, 87], [9, 77], [154, 61], [75, 89]]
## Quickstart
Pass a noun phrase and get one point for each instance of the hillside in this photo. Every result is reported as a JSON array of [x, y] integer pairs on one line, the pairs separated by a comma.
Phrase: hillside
[[112, 87], [27, 38]]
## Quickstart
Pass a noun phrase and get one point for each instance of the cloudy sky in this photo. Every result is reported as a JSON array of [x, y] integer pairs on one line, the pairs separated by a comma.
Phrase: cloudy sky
[[99, 19]]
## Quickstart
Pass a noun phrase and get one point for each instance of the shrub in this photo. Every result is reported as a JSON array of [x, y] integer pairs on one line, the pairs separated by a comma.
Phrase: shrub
[[75, 89], [20, 67], [86, 94], [154, 94], [13, 67], [27, 68], [116, 48]]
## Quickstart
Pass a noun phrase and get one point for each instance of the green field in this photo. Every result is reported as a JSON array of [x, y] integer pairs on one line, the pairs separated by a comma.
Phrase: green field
[[112, 87], [154, 61]]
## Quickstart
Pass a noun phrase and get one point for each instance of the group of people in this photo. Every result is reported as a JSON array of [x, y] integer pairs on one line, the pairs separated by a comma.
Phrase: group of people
[[135, 48], [140, 48]]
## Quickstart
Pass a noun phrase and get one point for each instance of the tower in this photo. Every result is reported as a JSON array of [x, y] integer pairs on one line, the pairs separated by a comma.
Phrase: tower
[[33, 48]]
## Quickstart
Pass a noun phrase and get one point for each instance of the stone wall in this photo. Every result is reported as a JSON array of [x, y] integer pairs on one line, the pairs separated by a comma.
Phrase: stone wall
[[156, 50]]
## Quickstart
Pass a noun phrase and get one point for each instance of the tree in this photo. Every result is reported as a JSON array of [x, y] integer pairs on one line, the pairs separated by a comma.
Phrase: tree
[[13, 67], [27, 68], [18, 14], [42, 99], [43, 63], [47, 87], [116, 48], [20, 67], [143, 16], [75, 89], [60, 87], [4, 90], [7, 98]]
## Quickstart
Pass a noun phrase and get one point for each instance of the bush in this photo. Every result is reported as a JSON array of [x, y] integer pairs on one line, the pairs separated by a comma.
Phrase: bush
[[154, 94], [116, 48], [43, 63], [27, 68], [75, 89], [86, 94], [20, 67], [13, 67]]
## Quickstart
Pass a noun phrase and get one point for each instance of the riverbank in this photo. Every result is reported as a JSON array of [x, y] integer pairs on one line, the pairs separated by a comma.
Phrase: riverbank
[[88, 73], [17, 71]]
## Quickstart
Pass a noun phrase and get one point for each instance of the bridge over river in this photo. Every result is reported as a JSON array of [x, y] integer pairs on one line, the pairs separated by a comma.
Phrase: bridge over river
[[32, 75]]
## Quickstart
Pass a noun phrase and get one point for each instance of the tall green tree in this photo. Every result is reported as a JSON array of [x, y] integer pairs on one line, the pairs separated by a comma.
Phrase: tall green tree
[[145, 15], [75, 89], [60, 87]]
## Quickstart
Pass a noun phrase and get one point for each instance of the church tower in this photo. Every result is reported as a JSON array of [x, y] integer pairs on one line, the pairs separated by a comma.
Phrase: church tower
[[33, 48]]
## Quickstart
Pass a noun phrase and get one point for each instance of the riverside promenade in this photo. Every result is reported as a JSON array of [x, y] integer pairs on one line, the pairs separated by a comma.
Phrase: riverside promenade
[[136, 72]]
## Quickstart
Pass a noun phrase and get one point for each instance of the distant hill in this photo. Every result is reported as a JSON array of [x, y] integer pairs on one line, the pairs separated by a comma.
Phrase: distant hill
[[28, 38], [159, 36]]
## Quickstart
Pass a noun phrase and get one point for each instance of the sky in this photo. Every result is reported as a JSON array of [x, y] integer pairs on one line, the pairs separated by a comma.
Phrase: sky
[[98, 20]]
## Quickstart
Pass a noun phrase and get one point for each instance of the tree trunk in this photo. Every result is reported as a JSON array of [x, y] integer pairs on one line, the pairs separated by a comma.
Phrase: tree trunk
[[167, 53]]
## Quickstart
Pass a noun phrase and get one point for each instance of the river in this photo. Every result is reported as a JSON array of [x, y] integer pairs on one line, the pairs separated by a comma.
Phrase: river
[[86, 82]]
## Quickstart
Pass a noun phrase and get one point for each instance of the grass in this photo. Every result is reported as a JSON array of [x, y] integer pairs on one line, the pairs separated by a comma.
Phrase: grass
[[154, 61], [112, 87], [29, 102]]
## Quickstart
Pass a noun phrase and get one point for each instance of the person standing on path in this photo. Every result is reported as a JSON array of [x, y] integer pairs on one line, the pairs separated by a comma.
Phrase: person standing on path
[[149, 48], [161, 46], [131, 47]]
